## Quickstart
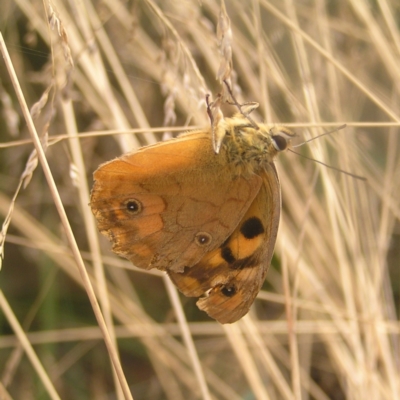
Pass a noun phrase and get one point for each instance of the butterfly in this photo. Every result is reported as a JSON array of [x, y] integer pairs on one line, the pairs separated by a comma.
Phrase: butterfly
[[206, 213]]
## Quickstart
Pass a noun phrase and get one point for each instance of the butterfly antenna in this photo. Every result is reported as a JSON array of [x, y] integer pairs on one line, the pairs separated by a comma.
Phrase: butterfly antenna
[[209, 112], [239, 106], [319, 136], [361, 178]]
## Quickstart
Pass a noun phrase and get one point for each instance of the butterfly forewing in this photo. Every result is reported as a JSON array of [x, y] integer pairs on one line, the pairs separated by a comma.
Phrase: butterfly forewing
[[167, 205]]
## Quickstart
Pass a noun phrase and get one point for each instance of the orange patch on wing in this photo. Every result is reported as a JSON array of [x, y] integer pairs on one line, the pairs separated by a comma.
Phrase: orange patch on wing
[[149, 225], [213, 259], [144, 251], [242, 247]]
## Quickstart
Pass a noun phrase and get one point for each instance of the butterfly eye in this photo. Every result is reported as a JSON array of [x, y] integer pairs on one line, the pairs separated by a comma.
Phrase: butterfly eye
[[281, 137], [228, 291], [133, 206], [280, 143], [203, 238]]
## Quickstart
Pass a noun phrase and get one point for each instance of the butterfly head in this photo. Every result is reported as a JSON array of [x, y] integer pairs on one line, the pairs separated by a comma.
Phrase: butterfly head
[[250, 147]]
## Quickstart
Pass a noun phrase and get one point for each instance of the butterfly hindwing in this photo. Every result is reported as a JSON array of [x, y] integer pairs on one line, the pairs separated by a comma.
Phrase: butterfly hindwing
[[231, 276]]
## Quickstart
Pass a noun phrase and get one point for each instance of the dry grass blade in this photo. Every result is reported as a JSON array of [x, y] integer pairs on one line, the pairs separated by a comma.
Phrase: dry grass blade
[[51, 391], [64, 220]]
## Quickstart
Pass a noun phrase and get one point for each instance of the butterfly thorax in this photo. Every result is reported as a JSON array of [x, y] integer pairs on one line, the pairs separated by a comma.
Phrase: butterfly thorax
[[251, 148]]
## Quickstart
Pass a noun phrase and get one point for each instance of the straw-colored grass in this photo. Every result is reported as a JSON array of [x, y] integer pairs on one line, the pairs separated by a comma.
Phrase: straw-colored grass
[[97, 78]]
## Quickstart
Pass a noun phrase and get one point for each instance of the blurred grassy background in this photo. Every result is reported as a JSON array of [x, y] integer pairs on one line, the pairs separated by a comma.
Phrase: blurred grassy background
[[326, 324]]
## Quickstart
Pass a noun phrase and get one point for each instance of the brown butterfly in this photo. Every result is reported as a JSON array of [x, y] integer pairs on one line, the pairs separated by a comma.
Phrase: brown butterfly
[[209, 220]]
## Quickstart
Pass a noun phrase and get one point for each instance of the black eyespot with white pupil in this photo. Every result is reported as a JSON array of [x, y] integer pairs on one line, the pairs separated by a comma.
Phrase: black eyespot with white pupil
[[133, 206], [203, 239], [228, 291]]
